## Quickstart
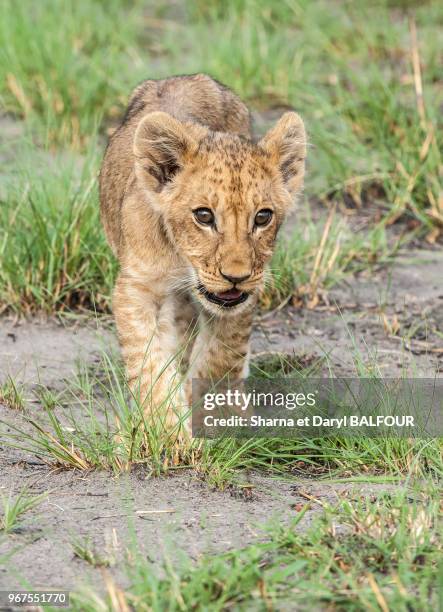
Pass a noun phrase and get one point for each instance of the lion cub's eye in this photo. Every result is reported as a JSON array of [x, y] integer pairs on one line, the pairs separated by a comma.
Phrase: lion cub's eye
[[263, 217], [205, 216]]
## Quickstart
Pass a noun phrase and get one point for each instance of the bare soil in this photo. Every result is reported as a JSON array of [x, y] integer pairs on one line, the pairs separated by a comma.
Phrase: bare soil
[[360, 318], [182, 515], [391, 320]]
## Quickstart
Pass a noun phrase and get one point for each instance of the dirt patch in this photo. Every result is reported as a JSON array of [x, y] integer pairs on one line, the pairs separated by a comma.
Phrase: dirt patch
[[391, 320], [48, 351], [106, 510], [111, 512]]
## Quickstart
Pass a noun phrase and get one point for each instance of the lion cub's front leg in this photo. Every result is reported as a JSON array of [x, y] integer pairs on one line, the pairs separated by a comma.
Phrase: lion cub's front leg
[[146, 329], [221, 349]]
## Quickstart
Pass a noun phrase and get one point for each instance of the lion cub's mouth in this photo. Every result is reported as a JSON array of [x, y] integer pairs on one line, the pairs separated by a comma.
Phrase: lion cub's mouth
[[226, 299]]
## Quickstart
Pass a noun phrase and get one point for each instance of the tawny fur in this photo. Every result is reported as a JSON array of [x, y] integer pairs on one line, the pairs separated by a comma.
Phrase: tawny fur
[[185, 144]]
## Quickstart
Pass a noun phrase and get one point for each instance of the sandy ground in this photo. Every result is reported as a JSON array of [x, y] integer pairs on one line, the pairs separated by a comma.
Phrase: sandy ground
[[353, 327], [109, 513], [105, 508]]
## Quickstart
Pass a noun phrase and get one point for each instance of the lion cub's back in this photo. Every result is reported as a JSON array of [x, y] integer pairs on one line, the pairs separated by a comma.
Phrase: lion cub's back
[[197, 98]]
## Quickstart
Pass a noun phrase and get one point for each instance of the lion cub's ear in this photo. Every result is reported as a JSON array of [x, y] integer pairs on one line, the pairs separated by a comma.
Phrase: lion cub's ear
[[286, 143], [162, 144]]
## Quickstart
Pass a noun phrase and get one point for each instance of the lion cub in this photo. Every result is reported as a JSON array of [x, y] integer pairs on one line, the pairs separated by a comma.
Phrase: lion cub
[[191, 207]]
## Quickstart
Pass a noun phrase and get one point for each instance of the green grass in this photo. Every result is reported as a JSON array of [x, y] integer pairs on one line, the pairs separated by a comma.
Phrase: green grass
[[84, 549], [385, 555], [13, 508], [358, 553], [352, 69], [65, 76], [12, 394], [347, 68], [55, 257], [320, 253], [54, 254], [97, 423]]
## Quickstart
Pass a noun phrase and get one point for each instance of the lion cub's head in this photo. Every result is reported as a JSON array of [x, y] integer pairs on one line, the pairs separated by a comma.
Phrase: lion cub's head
[[222, 199]]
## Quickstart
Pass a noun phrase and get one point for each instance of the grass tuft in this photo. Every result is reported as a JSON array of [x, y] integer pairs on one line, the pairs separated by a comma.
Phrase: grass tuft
[[318, 254], [15, 507], [54, 255], [12, 394], [98, 424], [84, 550]]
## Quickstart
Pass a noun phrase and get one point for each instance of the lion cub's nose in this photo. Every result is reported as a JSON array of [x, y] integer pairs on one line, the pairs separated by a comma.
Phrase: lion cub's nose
[[235, 279]]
